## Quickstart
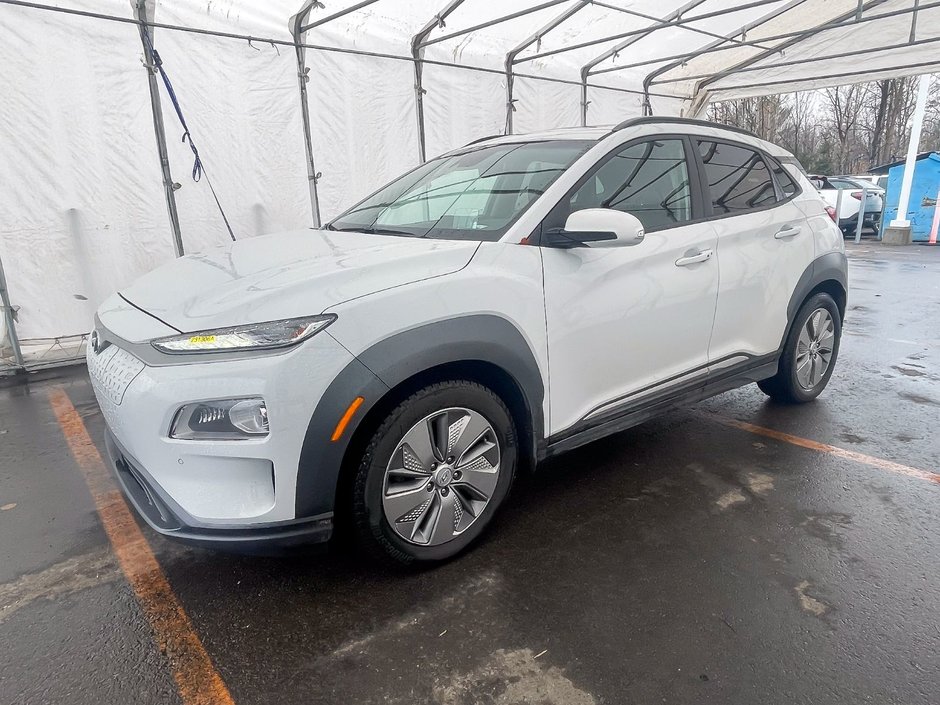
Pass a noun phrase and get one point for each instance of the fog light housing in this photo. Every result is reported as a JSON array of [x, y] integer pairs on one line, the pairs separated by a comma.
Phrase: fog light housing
[[221, 420]]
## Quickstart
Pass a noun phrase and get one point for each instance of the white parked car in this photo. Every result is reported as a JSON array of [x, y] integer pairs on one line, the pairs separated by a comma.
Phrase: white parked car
[[853, 190], [879, 180], [500, 304]]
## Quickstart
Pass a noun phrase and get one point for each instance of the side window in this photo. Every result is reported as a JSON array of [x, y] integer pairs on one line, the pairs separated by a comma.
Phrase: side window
[[786, 183], [737, 177], [649, 180]]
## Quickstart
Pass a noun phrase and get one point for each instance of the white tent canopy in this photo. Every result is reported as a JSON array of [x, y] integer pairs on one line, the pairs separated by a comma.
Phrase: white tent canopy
[[86, 205]]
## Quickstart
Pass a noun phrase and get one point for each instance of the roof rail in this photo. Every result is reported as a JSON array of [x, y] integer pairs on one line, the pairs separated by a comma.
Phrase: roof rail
[[654, 119], [484, 139]]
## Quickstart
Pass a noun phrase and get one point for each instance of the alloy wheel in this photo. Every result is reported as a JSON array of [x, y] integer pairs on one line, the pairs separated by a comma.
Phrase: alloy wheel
[[814, 348], [441, 476]]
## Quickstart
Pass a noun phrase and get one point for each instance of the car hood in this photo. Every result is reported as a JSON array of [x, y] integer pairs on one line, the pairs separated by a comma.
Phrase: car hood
[[298, 273]]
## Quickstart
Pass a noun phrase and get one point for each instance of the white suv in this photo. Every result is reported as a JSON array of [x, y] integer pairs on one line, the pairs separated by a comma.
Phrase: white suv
[[505, 302]]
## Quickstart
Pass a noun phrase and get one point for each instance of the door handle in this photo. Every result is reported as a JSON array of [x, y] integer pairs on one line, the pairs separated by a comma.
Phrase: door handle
[[700, 256], [787, 231]]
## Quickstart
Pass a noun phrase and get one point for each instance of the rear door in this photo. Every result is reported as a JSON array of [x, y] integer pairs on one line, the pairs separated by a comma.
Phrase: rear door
[[764, 245]]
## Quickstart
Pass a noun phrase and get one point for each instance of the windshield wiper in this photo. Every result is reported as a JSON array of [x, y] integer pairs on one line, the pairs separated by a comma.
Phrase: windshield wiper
[[377, 231]]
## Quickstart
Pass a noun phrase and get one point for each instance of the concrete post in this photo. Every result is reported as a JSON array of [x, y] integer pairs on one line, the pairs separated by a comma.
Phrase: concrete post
[[898, 231], [861, 215]]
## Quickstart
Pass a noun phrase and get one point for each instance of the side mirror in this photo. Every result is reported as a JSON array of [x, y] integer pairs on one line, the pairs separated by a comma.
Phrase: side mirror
[[597, 227]]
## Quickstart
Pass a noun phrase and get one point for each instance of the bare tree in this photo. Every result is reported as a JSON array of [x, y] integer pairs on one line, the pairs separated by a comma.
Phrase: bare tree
[[844, 105], [839, 130]]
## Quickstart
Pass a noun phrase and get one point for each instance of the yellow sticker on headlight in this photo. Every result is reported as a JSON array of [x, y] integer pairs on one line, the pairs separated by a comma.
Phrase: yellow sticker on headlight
[[202, 339]]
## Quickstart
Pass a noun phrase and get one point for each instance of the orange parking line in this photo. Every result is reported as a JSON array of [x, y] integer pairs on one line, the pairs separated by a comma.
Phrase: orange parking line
[[872, 461], [198, 681]]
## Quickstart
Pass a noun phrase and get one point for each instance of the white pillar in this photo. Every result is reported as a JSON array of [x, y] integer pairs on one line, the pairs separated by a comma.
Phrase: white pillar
[[901, 220]]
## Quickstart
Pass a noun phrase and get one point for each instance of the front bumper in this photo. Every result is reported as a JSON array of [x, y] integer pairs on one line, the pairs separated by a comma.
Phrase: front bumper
[[230, 486], [164, 516]]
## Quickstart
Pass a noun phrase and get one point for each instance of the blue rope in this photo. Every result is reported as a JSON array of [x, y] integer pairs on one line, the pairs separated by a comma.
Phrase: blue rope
[[198, 168]]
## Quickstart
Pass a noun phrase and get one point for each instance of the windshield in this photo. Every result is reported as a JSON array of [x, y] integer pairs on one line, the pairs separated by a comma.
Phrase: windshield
[[473, 195]]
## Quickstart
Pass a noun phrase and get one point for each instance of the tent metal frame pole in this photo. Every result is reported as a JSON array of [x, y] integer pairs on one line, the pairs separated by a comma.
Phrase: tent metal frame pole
[[273, 41], [525, 44], [143, 14], [679, 59], [308, 6], [297, 30], [587, 69], [496, 21], [700, 98], [853, 17], [585, 102], [9, 314], [417, 56], [657, 20], [648, 30], [935, 64], [798, 62], [914, 21], [714, 46]]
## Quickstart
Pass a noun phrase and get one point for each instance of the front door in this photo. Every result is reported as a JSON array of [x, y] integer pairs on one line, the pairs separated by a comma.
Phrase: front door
[[625, 323]]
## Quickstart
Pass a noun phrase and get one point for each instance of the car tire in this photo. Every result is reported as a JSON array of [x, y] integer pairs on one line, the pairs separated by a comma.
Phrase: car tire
[[809, 354], [434, 473]]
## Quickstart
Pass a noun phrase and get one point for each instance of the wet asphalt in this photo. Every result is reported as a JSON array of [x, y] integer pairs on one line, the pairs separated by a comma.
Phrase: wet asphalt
[[682, 561]]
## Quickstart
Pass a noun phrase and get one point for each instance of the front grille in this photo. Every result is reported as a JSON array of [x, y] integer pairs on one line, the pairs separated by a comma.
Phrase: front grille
[[111, 371]]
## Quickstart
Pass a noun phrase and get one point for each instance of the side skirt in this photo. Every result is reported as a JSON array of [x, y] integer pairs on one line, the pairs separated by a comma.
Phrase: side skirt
[[634, 412]]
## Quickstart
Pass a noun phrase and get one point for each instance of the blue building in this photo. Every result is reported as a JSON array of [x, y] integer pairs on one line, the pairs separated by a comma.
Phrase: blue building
[[924, 193]]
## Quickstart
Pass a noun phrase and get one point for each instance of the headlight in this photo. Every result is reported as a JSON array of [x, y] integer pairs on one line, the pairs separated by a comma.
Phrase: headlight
[[255, 336], [222, 420]]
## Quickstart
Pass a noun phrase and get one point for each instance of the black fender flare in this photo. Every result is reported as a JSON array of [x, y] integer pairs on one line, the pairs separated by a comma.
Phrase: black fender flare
[[386, 364], [832, 266]]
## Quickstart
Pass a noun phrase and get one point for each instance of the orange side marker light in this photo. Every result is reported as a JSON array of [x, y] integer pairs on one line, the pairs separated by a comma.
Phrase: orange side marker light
[[347, 417]]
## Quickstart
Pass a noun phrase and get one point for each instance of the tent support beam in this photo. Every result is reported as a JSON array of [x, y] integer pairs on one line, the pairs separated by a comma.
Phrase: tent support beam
[[143, 15], [914, 21], [911, 69], [714, 46], [521, 47], [648, 30], [678, 59], [584, 97], [323, 20], [853, 17], [417, 56], [297, 30], [700, 99], [798, 62], [497, 20], [629, 41], [659, 20]]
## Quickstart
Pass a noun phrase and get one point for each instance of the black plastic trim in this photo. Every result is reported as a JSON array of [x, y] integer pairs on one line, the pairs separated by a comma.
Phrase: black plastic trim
[[635, 412], [481, 337], [832, 266]]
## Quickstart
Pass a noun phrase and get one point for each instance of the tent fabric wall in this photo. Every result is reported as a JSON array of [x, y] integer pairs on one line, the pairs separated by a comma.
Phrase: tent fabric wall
[[364, 130], [544, 106], [84, 212], [82, 209]]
